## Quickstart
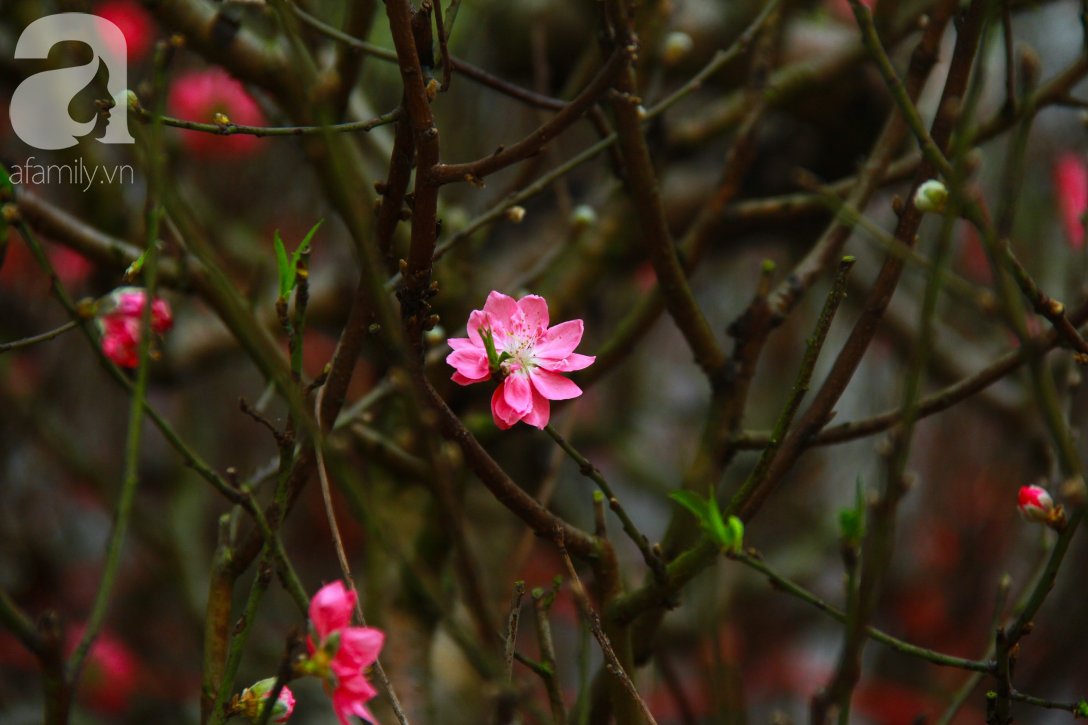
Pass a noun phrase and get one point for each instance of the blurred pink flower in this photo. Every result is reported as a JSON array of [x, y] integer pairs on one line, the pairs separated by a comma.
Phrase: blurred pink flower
[[252, 701], [1071, 186], [135, 24], [343, 652], [529, 354], [198, 95], [121, 321], [1035, 504], [111, 673]]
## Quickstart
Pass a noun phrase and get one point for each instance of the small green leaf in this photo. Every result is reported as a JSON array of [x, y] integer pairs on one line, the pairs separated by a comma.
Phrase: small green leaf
[[693, 502], [715, 524], [305, 246], [286, 270], [852, 520], [736, 534], [1082, 710]]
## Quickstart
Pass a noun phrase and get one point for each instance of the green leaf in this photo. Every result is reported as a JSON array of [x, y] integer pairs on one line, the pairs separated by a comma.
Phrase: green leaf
[[1082, 710], [852, 520], [304, 247], [286, 269], [736, 534], [693, 502], [715, 524]]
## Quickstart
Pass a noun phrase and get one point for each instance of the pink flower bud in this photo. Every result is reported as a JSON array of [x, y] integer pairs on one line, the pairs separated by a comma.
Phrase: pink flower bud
[[252, 701], [1036, 505]]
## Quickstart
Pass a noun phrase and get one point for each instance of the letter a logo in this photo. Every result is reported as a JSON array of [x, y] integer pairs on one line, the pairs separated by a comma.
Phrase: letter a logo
[[39, 106]]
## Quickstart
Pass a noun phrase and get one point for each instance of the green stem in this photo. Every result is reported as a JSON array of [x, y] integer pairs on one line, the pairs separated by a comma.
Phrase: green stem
[[800, 388], [753, 561]]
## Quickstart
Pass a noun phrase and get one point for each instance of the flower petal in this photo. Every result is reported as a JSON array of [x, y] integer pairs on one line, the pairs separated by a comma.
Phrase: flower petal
[[541, 412], [535, 310], [330, 609], [504, 415], [350, 698], [476, 321], [462, 380], [471, 363], [461, 343], [554, 386], [359, 648], [560, 341], [572, 362], [503, 310], [517, 394]]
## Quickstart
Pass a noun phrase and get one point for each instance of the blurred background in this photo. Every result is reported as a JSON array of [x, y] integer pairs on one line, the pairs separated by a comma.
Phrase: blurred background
[[737, 650]]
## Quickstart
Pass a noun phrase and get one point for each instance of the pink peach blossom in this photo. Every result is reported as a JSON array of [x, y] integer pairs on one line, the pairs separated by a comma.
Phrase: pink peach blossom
[[1071, 186], [121, 323], [198, 95], [342, 652], [529, 354]]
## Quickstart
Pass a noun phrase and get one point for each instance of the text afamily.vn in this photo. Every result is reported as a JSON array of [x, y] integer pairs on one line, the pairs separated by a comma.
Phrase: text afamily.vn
[[76, 172]]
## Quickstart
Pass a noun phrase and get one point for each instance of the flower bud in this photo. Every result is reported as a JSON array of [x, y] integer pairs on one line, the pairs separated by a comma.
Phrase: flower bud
[[931, 197], [583, 216], [515, 214], [252, 701], [221, 119], [1036, 505], [676, 46], [127, 99]]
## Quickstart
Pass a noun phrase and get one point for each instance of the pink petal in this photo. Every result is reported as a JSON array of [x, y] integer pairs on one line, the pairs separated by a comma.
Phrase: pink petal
[[503, 309], [560, 341], [350, 698], [461, 343], [535, 310], [517, 394], [462, 380], [572, 362], [504, 415], [471, 363], [359, 648], [541, 412], [330, 609], [476, 321], [554, 386]]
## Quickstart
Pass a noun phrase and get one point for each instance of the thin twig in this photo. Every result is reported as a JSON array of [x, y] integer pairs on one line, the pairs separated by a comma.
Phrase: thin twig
[[44, 337], [587, 469], [613, 662]]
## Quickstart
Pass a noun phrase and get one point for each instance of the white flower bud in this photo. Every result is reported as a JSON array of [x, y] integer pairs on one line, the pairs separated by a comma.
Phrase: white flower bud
[[515, 214], [676, 46], [583, 216], [931, 197]]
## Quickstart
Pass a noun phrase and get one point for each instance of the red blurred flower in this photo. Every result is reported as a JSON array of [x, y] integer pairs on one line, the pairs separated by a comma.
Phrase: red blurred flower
[[199, 95], [111, 673], [135, 24], [1071, 186]]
